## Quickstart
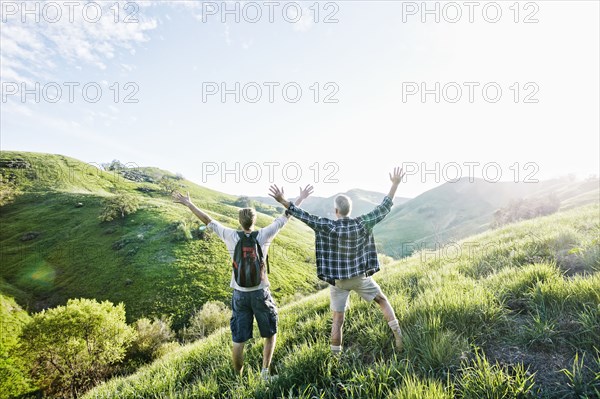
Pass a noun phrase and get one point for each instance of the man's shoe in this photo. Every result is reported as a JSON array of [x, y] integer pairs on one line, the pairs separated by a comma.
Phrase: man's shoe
[[398, 339]]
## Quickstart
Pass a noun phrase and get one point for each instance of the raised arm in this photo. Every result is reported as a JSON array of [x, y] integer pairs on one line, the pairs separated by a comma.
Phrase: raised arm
[[380, 212], [185, 200], [304, 194], [312, 221], [396, 178]]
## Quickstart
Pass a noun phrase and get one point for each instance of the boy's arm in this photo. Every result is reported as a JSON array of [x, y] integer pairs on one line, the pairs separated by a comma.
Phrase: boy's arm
[[185, 200], [380, 212], [224, 233]]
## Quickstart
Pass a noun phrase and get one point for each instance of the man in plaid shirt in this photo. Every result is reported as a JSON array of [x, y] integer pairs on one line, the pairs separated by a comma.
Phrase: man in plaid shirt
[[346, 256]]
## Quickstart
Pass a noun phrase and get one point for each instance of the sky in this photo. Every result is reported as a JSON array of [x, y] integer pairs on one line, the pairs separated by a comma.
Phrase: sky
[[238, 95]]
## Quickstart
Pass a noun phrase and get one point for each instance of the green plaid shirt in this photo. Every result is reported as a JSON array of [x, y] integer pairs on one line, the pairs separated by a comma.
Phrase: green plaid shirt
[[345, 247]]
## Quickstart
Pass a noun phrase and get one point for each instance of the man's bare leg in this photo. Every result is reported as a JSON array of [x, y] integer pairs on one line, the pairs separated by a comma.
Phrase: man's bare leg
[[336, 332], [390, 317], [238, 357]]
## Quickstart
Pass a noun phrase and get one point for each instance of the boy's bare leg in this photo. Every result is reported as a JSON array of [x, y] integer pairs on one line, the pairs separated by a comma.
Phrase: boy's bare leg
[[238, 357]]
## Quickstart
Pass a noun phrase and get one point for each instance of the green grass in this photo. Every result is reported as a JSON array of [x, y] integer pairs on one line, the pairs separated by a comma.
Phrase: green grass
[[524, 326], [146, 260]]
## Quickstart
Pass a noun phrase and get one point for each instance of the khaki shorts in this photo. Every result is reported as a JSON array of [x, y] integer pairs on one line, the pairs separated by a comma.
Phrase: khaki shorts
[[366, 287]]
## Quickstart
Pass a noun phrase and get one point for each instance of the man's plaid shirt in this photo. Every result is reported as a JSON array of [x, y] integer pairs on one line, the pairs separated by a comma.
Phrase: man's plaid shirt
[[345, 247]]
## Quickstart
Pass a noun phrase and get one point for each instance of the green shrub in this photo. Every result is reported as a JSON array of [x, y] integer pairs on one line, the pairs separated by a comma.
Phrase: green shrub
[[119, 206], [151, 336], [14, 378], [71, 348], [212, 316]]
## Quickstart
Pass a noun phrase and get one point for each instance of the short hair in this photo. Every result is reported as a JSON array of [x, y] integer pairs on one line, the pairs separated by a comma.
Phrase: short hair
[[247, 217], [343, 204]]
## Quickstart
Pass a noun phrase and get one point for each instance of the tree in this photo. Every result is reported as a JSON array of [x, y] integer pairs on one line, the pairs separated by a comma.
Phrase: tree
[[115, 165], [244, 202], [71, 348], [167, 184], [119, 206]]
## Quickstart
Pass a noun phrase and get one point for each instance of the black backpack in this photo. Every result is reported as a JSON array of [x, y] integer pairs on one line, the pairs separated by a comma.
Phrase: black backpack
[[248, 261]]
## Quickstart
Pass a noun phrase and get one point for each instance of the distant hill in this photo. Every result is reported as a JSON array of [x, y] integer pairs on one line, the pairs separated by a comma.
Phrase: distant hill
[[363, 201], [456, 210], [449, 212], [53, 246]]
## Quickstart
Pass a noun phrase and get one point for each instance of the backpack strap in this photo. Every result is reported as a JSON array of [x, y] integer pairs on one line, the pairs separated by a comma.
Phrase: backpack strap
[[254, 235]]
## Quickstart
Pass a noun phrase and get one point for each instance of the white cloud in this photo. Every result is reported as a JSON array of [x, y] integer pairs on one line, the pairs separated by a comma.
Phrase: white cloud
[[32, 50]]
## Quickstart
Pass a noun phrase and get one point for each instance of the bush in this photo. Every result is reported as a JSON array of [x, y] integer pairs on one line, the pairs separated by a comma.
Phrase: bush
[[168, 185], [71, 348], [119, 206], [151, 336], [14, 379], [212, 316]]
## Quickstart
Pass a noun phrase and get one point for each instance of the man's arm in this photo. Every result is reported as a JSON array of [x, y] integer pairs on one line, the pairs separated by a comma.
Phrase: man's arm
[[381, 211], [304, 194], [396, 178], [185, 200], [312, 221]]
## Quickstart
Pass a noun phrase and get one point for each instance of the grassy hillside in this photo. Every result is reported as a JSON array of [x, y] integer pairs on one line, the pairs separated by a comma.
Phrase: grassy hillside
[[511, 313], [453, 211], [54, 247]]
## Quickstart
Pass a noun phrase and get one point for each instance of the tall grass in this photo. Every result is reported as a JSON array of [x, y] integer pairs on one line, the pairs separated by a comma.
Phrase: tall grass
[[457, 315]]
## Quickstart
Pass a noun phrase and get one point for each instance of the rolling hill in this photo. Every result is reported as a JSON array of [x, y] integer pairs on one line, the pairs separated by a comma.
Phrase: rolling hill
[[513, 319], [453, 211], [54, 247]]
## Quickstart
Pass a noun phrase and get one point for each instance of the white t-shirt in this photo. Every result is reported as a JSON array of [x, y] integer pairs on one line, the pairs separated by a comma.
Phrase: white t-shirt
[[265, 236]]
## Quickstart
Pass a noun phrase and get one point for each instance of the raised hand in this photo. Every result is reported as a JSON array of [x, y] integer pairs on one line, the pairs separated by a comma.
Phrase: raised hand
[[306, 192], [181, 199], [277, 194], [397, 176]]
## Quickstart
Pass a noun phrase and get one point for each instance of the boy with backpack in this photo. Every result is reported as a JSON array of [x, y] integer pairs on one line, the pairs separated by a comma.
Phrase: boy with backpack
[[251, 295]]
